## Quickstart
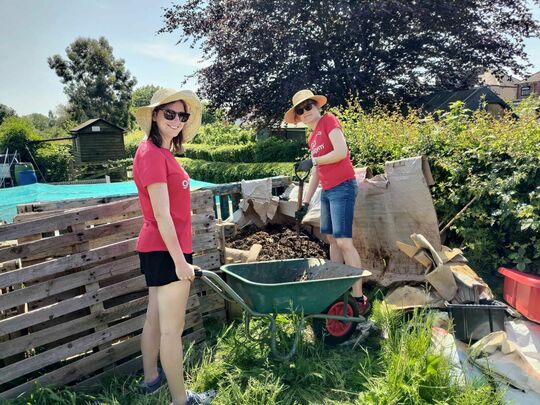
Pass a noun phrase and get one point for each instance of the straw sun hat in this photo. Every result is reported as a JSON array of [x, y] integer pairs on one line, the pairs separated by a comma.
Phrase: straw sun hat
[[165, 96], [298, 98]]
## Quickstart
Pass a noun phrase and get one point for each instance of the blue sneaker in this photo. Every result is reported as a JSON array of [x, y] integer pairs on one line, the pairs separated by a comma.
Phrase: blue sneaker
[[155, 386], [204, 398]]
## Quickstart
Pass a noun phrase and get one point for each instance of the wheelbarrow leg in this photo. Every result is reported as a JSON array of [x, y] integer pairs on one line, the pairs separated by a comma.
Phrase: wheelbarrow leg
[[273, 330]]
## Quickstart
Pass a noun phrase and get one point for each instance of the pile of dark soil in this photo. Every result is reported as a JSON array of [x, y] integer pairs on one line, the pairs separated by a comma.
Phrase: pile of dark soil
[[279, 242]]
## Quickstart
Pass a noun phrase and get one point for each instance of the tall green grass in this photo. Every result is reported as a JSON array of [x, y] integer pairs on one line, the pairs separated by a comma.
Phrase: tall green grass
[[401, 368]]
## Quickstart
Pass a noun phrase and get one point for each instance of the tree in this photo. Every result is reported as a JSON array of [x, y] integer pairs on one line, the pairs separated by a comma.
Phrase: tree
[[16, 134], [261, 52], [5, 112], [39, 121], [96, 83], [143, 95]]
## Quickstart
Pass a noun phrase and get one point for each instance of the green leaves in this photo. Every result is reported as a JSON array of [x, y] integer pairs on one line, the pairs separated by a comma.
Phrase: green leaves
[[96, 83], [470, 154]]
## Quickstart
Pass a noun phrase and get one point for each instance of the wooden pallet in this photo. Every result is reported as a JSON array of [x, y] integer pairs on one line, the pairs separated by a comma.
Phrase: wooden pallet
[[72, 298]]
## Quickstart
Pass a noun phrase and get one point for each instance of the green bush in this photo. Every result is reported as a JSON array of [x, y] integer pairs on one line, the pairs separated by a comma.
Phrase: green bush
[[15, 135], [470, 154], [131, 141], [53, 160], [221, 172], [268, 150], [223, 133]]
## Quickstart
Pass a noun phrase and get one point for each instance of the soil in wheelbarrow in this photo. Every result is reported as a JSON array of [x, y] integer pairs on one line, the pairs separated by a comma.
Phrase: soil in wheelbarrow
[[279, 242]]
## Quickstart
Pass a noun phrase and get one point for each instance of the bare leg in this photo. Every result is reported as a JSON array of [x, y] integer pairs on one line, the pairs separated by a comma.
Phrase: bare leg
[[335, 252], [150, 337], [172, 301], [352, 258]]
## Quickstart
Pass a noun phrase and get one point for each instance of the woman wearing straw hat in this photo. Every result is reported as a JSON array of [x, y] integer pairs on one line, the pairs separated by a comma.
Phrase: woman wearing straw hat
[[335, 173], [165, 240]]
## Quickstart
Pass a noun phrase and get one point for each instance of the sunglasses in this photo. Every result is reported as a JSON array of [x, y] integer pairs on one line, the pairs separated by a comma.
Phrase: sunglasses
[[170, 115], [307, 106]]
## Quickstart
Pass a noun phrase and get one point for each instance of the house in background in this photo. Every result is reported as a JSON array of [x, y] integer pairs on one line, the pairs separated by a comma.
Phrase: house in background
[[505, 87], [472, 98], [530, 85]]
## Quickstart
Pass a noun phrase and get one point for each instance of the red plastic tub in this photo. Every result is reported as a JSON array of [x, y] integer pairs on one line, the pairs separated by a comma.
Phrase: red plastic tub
[[522, 291]]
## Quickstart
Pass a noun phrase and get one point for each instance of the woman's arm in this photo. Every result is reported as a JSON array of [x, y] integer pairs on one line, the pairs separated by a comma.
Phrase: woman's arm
[[159, 198], [313, 184], [340, 148]]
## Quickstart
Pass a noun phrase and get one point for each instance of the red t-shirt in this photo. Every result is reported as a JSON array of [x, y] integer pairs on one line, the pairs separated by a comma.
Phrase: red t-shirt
[[158, 165], [319, 143]]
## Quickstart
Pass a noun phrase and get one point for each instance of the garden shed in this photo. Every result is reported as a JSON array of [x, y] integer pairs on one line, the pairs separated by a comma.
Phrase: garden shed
[[98, 140]]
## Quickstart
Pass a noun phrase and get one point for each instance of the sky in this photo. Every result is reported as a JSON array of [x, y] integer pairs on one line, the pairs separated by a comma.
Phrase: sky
[[33, 30]]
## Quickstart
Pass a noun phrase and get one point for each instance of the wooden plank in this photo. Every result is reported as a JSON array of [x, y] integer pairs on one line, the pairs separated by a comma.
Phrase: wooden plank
[[129, 227], [87, 365], [67, 218], [72, 327], [208, 261], [64, 283], [68, 204], [55, 310], [211, 303], [30, 216], [64, 351], [81, 324], [78, 369], [135, 365], [62, 264], [219, 315]]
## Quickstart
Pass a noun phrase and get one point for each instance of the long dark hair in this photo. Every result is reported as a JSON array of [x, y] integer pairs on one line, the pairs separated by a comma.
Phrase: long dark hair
[[157, 139]]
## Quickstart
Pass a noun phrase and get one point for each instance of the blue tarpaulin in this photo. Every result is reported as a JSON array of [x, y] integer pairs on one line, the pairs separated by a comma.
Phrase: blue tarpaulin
[[11, 197]]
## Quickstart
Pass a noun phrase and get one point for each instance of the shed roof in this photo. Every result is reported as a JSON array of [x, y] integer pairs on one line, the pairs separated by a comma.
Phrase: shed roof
[[93, 121], [471, 97]]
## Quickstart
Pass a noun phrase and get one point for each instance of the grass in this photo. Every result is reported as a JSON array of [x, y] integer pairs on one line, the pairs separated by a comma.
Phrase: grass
[[398, 369]]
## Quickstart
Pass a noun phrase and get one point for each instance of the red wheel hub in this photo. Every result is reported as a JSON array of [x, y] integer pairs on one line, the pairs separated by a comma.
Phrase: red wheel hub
[[338, 328]]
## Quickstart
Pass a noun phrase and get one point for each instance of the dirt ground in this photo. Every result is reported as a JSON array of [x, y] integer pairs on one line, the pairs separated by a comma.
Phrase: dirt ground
[[279, 242]]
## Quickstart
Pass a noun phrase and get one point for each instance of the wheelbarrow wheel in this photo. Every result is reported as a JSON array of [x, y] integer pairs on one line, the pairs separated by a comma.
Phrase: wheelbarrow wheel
[[333, 332]]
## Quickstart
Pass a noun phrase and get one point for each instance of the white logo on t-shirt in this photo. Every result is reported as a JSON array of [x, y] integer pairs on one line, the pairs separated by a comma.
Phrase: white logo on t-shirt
[[185, 184]]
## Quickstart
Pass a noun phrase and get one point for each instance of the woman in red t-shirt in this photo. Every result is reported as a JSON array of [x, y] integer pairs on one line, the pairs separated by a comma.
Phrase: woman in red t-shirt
[[165, 241], [335, 173]]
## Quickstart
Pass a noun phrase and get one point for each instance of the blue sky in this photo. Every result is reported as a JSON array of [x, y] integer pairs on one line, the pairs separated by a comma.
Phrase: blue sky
[[32, 30]]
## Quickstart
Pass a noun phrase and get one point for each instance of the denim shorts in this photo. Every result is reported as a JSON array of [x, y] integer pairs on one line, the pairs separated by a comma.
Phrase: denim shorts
[[337, 209]]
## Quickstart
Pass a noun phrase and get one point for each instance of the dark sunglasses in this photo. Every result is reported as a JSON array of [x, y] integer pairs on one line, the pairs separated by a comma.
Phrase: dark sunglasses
[[170, 115], [307, 106]]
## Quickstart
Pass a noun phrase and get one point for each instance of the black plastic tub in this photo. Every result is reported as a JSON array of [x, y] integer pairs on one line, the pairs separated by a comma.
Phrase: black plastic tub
[[474, 321]]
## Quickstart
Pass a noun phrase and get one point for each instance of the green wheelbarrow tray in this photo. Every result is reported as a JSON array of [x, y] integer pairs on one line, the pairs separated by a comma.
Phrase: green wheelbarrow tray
[[305, 286], [274, 286]]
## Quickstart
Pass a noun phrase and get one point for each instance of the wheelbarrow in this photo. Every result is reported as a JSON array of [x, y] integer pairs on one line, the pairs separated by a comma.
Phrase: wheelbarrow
[[315, 288]]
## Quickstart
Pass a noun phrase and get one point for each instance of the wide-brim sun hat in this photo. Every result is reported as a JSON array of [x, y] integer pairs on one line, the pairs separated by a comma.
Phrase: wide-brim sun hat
[[143, 114], [299, 98]]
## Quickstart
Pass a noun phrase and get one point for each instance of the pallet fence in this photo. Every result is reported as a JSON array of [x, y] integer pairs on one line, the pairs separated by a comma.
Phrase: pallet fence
[[72, 298]]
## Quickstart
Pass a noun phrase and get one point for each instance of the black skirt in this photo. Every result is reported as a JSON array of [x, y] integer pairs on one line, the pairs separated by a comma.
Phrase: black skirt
[[158, 267]]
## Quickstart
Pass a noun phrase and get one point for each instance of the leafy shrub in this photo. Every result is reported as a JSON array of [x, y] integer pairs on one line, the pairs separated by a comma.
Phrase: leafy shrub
[[268, 150], [15, 135], [471, 154], [53, 160], [221, 172], [223, 133], [131, 142]]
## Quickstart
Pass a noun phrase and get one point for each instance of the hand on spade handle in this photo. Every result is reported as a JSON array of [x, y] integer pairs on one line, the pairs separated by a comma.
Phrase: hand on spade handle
[[303, 165], [301, 213]]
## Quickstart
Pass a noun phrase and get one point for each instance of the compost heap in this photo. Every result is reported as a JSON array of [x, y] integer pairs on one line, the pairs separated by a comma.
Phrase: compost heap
[[279, 242]]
